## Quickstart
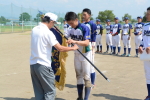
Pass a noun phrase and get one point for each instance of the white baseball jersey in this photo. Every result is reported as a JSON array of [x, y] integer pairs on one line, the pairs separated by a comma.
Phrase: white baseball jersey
[[108, 28], [80, 33], [126, 28], [99, 28], [146, 35], [116, 28], [138, 27]]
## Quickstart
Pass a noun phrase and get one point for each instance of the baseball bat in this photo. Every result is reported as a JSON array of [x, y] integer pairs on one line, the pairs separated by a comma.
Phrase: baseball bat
[[84, 56]]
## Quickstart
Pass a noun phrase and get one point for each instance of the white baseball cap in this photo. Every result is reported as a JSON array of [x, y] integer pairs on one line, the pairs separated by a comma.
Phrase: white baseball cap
[[52, 16]]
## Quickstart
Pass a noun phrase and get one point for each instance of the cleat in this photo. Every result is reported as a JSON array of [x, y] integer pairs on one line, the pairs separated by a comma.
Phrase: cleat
[[136, 55], [118, 54], [97, 52], [113, 53], [100, 51], [79, 98], [106, 52], [123, 54], [128, 55]]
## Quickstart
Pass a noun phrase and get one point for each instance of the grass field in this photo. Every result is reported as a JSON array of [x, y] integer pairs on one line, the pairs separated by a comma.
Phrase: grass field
[[8, 29]]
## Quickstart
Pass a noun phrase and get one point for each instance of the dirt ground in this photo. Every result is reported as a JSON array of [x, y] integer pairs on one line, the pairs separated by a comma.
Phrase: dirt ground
[[125, 73]]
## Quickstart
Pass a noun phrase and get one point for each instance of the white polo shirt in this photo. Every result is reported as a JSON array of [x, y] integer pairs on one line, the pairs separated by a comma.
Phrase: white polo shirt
[[42, 40]]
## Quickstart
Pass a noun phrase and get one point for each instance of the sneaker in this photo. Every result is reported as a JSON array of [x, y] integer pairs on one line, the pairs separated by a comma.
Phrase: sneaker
[[79, 98], [147, 98], [100, 51], [110, 53], [136, 55], [123, 54], [97, 52], [128, 55], [92, 87], [113, 53], [118, 54], [106, 52]]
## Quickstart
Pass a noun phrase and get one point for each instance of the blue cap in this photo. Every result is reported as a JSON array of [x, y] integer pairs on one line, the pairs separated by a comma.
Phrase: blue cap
[[116, 18], [126, 18], [139, 17], [64, 20], [98, 20], [107, 20]]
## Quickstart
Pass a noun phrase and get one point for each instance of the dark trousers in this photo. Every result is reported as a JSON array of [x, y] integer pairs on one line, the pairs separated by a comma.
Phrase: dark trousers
[[43, 80]]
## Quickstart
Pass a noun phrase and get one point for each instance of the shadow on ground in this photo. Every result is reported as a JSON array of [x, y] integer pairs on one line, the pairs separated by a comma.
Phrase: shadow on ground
[[113, 97], [13, 98], [70, 86]]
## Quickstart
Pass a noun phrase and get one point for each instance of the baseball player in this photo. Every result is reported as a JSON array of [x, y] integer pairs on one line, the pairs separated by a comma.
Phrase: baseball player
[[108, 36], [137, 32], [116, 36], [146, 44], [126, 36], [99, 32], [92, 26], [80, 35]]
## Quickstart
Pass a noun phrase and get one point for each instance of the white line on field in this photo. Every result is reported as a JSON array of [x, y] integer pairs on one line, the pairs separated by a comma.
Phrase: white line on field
[[104, 71], [13, 73]]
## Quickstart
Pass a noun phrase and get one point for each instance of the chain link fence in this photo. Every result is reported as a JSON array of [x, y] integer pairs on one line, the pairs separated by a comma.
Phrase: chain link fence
[[20, 19]]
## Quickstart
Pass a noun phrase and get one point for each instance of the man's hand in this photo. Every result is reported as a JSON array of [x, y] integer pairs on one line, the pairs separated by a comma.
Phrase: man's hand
[[75, 47], [71, 41], [148, 50], [140, 50]]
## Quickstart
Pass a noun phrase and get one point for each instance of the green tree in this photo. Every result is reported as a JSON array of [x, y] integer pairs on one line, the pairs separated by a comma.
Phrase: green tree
[[3, 20], [127, 15], [38, 18], [107, 14], [144, 18], [60, 19], [24, 17], [80, 17], [133, 20]]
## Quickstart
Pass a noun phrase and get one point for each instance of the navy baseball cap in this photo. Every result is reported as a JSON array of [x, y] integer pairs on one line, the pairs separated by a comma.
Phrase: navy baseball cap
[[116, 18], [98, 20], [107, 20], [139, 17], [126, 18]]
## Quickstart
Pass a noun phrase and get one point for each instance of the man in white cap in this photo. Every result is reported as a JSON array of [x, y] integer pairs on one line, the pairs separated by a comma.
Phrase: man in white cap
[[42, 40]]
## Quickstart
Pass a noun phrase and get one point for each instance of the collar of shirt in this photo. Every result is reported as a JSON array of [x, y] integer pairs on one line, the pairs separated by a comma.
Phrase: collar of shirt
[[77, 26], [41, 24]]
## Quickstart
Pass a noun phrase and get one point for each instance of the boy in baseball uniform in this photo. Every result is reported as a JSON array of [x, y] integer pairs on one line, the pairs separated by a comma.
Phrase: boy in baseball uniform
[[80, 35], [108, 36], [99, 32], [116, 36], [126, 36], [146, 45], [137, 32]]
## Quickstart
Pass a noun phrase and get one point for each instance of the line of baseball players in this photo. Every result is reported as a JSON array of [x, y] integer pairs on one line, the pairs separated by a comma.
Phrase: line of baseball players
[[114, 35]]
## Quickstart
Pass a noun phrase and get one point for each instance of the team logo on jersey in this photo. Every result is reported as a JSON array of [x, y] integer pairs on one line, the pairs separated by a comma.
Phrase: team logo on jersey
[[76, 37], [147, 32], [138, 27], [125, 27], [107, 28]]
